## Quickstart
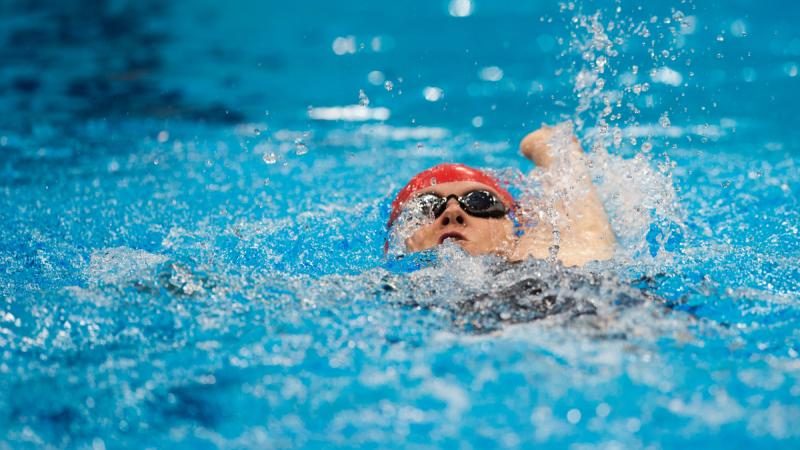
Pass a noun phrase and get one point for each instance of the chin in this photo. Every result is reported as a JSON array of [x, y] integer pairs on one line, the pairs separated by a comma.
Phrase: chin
[[471, 249]]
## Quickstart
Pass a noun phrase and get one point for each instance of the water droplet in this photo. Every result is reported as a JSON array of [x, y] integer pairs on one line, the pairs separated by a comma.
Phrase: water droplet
[[432, 93], [300, 148], [574, 416], [616, 136], [363, 100], [790, 69], [603, 410], [376, 77], [491, 73], [664, 120], [270, 158], [343, 45]]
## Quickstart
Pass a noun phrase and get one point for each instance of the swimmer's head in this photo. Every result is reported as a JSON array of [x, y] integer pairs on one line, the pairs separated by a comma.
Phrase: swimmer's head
[[455, 202]]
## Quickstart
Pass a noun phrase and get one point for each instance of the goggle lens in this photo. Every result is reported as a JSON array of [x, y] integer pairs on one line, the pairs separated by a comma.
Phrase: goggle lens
[[474, 203]]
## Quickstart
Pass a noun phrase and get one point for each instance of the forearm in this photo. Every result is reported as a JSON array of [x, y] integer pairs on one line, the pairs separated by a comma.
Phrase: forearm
[[571, 215]]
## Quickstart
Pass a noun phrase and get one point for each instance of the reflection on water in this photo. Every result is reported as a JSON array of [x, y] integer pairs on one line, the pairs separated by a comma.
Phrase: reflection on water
[[90, 58]]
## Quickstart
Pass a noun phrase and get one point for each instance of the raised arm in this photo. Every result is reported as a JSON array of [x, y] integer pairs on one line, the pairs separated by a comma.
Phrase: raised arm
[[570, 221]]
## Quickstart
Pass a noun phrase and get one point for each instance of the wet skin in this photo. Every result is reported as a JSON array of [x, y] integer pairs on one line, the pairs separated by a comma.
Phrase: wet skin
[[585, 232], [476, 235]]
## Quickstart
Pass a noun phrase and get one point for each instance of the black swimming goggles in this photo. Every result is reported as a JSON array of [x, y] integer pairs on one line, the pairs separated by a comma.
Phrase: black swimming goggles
[[475, 203]]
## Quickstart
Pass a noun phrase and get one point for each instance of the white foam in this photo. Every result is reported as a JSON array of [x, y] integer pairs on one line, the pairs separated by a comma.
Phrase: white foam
[[349, 113], [666, 75], [460, 8], [491, 73], [120, 265], [405, 133]]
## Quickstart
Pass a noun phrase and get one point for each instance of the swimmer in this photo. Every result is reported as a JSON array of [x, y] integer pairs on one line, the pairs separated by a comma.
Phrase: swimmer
[[469, 207]]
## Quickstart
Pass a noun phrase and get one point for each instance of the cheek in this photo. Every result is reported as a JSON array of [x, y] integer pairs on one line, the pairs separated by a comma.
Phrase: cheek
[[420, 239], [499, 231]]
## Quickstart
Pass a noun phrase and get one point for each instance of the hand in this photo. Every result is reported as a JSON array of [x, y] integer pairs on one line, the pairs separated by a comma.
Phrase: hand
[[537, 146]]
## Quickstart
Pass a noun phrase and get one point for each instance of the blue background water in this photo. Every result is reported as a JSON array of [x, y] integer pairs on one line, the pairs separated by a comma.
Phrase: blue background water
[[164, 284]]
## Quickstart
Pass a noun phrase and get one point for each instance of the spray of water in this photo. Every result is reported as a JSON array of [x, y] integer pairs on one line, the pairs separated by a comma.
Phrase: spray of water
[[605, 59]]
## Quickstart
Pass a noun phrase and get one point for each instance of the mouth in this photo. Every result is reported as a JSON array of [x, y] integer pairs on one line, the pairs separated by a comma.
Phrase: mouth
[[451, 235]]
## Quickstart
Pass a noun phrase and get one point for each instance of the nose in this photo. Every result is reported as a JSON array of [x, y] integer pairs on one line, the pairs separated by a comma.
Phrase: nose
[[452, 214]]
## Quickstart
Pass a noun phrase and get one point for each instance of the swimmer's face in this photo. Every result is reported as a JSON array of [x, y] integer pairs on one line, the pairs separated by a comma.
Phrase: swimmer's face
[[476, 235]]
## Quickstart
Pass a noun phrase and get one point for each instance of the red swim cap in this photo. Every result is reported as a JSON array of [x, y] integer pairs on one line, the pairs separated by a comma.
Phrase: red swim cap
[[445, 173]]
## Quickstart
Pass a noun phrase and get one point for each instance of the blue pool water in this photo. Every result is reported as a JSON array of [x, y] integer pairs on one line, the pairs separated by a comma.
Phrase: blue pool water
[[193, 200]]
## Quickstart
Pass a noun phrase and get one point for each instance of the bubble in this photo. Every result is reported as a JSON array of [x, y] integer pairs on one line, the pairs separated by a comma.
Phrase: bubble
[[388, 85], [720, 38], [477, 121], [163, 136]]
